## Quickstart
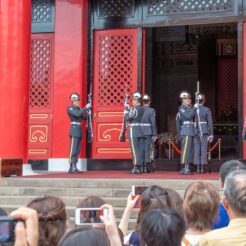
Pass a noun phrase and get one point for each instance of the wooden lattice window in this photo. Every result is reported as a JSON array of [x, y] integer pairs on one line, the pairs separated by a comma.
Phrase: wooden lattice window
[[228, 85], [40, 86], [43, 16], [164, 7], [112, 8], [115, 68]]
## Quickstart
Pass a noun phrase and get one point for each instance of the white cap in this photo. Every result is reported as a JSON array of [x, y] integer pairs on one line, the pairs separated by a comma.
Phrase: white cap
[[75, 97], [137, 95]]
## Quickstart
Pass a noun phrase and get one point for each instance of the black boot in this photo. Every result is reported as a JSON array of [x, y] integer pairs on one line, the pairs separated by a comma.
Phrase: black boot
[[198, 168], [145, 168], [73, 168], [135, 170], [148, 168], [202, 170]]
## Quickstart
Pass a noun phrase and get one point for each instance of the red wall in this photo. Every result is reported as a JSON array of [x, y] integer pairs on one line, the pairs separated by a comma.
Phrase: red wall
[[15, 23], [244, 85], [70, 68]]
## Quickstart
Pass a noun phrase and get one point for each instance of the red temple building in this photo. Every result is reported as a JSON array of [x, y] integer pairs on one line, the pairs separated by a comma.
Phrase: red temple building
[[51, 48]]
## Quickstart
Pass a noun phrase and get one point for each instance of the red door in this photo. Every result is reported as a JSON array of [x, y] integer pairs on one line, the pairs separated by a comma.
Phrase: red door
[[115, 72], [40, 97]]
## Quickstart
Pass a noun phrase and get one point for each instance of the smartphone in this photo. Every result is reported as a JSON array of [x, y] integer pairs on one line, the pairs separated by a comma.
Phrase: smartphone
[[137, 190], [88, 216], [7, 229]]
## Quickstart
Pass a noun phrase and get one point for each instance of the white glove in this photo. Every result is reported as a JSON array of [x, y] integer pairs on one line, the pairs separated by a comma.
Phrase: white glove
[[154, 138], [127, 106], [196, 105], [126, 111], [88, 106], [210, 138]]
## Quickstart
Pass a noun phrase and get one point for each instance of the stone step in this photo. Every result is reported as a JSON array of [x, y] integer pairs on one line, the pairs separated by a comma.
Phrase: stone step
[[95, 183]]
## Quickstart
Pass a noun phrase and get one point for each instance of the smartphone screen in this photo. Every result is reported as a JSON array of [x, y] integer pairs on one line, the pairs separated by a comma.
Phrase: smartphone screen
[[7, 227], [138, 190], [88, 216]]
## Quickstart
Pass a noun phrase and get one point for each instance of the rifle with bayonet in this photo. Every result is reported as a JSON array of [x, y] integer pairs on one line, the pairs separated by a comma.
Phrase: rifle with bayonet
[[89, 118], [124, 122], [197, 112]]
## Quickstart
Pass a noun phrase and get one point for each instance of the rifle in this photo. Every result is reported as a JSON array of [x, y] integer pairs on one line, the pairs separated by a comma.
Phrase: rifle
[[89, 118], [197, 112], [123, 128]]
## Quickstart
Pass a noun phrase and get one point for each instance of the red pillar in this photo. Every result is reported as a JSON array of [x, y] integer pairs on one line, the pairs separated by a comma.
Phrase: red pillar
[[15, 22], [70, 68]]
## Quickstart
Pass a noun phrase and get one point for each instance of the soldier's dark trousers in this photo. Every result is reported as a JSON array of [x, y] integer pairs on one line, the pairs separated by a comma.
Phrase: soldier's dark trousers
[[147, 149], [75, 145], [137, 149], [186, 149], [200, 149]]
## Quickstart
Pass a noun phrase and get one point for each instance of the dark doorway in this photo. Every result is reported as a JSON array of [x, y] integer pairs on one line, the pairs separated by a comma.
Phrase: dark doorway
[[178, 57]]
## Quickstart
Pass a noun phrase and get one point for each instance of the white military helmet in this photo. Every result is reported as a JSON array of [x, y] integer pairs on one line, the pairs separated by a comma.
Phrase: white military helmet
[[146, 97], [184, 95], [137, 95], [75, 97]]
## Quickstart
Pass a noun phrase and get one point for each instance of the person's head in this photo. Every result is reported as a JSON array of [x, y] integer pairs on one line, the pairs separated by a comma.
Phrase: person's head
[[52, 219], [157, 197], [229, 166], [86, 236], [234, 197], [162, 227], [136, 98], [201, 98], [75, 98], [200, 205], [91, 202], [146, 99], [185, 98]]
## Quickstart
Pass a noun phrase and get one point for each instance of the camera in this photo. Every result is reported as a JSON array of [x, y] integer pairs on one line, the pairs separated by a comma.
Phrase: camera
[[7, 229], [88, 216]]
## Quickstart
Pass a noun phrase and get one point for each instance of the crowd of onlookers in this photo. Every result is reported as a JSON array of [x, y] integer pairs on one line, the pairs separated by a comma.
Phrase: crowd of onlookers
[[201, 217]]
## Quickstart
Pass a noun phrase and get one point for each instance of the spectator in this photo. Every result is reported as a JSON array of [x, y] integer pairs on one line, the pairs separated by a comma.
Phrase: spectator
[[91, 202], [86, 236], [162, 227], [222, 219], [200, 206], [52, 219], [153, 197], [234, 201]]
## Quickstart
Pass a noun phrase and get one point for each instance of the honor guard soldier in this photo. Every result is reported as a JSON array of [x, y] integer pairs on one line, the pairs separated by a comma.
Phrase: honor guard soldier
[[133, 116], [149, 131], [76, 114], [203, 133], [185, 129]]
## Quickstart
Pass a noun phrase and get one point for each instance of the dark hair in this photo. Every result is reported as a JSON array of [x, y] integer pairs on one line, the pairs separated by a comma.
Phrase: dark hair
[[91, 202], [235, 191], [86, 236], [200, 205], [229, 166], [157, 197], [52, 219], [162, 227]]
